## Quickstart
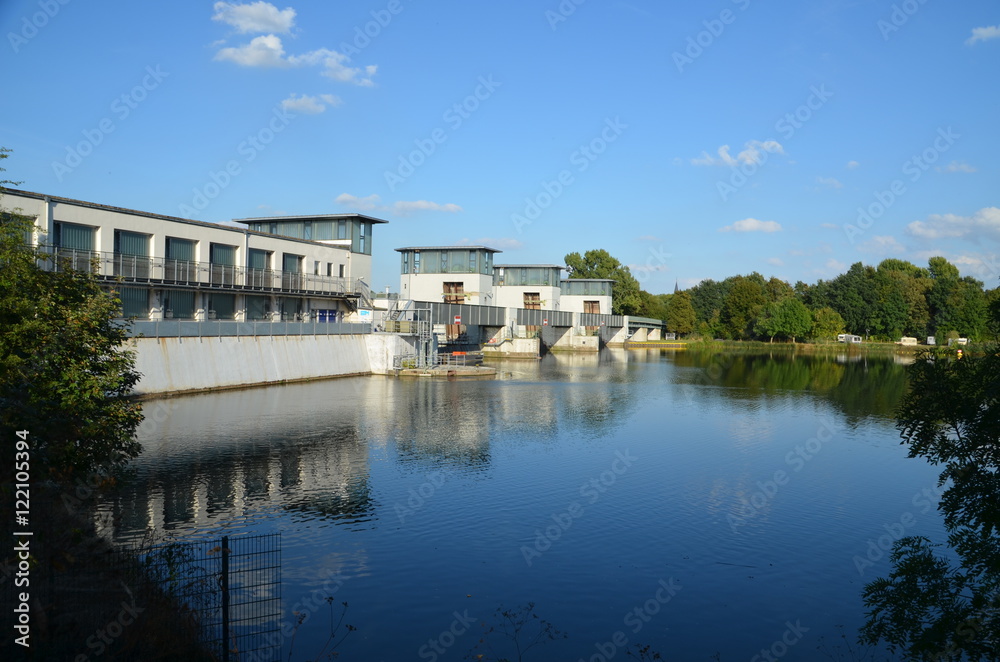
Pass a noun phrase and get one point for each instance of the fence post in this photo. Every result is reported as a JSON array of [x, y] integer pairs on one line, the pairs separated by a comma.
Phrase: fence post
[[225, 598]]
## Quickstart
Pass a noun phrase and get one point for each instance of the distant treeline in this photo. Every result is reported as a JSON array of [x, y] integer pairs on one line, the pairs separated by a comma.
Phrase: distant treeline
[[895, 299]]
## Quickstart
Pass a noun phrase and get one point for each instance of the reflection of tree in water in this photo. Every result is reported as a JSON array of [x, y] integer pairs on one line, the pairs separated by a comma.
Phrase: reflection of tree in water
[[947, 607], [859, 388]]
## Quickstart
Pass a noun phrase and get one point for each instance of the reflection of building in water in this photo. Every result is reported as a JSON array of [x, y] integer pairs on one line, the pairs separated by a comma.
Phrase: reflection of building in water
[[207, 462]]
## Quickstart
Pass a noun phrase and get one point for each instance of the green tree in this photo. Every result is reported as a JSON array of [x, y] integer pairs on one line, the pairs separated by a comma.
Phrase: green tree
[[598, 263], [947, 606], [744, 302], [680, 314], [788, 318], [64, 375], [827, 324]]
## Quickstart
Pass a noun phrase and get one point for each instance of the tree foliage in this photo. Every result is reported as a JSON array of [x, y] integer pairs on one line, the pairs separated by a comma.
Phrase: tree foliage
[[680, 316], [598, 263], [64, 375], [931, 606]]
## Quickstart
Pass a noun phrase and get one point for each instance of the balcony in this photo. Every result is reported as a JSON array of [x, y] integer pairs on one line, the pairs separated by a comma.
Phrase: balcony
[[204, 275]]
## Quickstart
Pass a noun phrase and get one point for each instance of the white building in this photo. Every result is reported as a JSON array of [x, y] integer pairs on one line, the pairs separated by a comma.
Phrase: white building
[[586, 295], [531, 286], [168, 267], [448, 274]]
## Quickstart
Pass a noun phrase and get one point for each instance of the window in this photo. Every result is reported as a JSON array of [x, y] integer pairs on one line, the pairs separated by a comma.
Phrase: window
[[454, 292], [307, 230], [180, 264], [341, 229], [472, 262], [273, 228], [291, 275], [329, 268], [342, 269], [131, 254], [224, 305], [416, 263], [444, 262], [222, 254], [258, 259], [75, 237], [532, 301], [406, 262], [362, 237], [179, 305], [258, 307], [180, 249], [135, 302]]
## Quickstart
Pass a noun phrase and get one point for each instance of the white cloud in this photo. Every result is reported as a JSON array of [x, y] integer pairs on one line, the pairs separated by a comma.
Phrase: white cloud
[[882, 245], [400, 208], [649, 237], [829, 182], [255, 17], [956, 166], [263, 51], [310, 105], [501, 243], [752, 153], [405, 208], [268, 51], [983, 34], [985, 222], [829, 226], [851, 165], [752, 225], [775, 261], [835, 265]]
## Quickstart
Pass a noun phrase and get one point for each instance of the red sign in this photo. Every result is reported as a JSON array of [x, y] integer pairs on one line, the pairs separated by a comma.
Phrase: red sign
[[458, 319], [545, 322]]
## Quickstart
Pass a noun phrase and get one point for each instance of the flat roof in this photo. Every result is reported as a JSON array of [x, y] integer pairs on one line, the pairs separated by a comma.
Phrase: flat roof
[[308, 217], [587, 280], [159, 217], [448, 248]]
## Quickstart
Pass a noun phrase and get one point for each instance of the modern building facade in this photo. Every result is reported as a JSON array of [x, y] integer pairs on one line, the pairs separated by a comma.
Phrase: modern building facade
[[450, 274], [466, 274], [167, 267]]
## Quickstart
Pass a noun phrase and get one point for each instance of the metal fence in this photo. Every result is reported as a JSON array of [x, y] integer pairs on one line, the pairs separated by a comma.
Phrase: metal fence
[[528, 317], [187, 274], [225, 328], [232, 587], [445, 313]]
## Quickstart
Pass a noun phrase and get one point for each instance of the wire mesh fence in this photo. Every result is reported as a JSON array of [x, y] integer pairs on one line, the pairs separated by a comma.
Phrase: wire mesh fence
[[230, 586]]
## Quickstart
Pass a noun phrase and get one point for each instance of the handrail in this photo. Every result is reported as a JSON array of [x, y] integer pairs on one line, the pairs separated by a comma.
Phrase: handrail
[[187, 273]]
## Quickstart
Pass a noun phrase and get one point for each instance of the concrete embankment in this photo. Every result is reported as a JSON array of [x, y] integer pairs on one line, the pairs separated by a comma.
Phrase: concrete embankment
[[178, 365]]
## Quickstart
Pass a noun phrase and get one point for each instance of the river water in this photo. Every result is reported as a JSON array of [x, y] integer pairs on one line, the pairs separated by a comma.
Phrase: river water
[[706, 505]]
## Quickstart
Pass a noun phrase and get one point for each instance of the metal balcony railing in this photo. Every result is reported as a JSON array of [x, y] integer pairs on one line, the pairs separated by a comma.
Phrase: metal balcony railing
[[187, 273]]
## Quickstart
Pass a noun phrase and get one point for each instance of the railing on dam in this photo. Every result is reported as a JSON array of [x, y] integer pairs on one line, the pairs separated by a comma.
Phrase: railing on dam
[[598, 319], [226, 328], [445, 313]]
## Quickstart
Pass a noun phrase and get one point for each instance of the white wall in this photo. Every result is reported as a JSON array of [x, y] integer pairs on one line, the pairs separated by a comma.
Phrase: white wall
[[430, 287], [512, 296]]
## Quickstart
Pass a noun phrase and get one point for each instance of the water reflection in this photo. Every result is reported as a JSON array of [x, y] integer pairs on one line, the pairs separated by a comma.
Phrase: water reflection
[[475, 467]]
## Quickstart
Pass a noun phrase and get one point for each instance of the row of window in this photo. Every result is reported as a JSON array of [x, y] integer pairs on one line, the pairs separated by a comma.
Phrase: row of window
[[81, 238], [359, 232], [182, 304], [447, 262]]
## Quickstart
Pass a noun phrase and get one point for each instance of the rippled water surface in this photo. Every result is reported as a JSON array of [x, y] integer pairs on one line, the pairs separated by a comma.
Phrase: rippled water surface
[[751, 485]]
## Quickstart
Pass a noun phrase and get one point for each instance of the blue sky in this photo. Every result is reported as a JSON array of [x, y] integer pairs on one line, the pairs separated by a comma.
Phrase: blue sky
[[690, 140]]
